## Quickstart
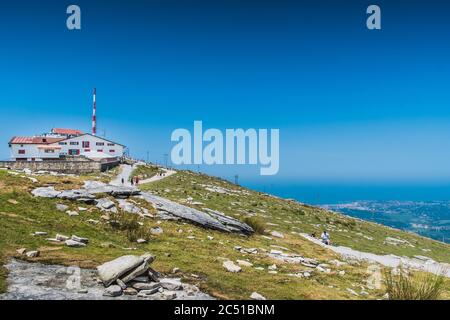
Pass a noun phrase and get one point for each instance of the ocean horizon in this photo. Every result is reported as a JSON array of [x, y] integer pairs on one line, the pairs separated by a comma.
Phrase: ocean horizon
[[420, 208]]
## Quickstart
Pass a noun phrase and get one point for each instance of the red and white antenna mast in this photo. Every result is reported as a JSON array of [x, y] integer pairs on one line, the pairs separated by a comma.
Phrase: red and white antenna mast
[[94, 117]]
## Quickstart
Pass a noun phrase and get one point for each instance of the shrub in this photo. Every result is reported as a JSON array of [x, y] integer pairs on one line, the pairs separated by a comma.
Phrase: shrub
[[257, 224], [128, 223], [404, 285]]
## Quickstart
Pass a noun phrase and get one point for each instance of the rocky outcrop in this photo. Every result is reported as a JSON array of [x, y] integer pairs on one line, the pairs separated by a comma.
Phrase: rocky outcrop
[[210, 220], [37, 281]]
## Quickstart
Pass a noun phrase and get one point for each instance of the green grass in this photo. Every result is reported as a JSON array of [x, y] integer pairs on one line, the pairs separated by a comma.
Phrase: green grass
[[201, 256]]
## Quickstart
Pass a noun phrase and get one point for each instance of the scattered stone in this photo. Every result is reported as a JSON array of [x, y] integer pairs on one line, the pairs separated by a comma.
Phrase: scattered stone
[[21, 251], [82, 209], [273, 272], [306, 274], [61, 237], [157, 230], [40, 233], [32, 254], [259, 268], [80, 239], [130, 291], [72, 213], [92, 221], [171, 284], [341, 273], [175, 270], [257, 296], [231, 267], [105, 203], [12, 201], [141, 241], [272, 267], [144, 293], [74, 244], [276, 234], [244, 263], [352, 292], [61, 207], [210, 238], [113, 291], [169, 295]]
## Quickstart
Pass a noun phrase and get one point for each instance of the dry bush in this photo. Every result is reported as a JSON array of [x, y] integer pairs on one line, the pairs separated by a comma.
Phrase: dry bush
[[404, 285]]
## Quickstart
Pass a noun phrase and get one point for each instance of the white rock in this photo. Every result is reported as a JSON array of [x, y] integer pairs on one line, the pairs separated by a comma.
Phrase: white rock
[[276, 234], [61, 207], [244, 263], [61, 237], [80, 239], [257, 296], [32, 254], [231, 267], [72, 213], [272, 267]]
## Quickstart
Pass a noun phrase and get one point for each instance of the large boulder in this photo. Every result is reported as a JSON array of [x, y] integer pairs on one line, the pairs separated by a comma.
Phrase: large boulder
[[141, 269], [45, 192], [212, 219], [112, 270]]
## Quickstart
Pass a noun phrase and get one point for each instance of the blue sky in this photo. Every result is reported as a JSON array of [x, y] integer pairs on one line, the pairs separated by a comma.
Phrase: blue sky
[[351, 104]]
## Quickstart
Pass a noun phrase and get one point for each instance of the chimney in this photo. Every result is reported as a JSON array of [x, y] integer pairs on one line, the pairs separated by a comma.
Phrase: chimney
[[94, 117]]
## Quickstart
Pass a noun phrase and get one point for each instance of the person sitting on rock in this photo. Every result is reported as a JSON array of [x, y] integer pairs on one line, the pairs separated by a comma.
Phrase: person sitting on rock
[[325, 237]]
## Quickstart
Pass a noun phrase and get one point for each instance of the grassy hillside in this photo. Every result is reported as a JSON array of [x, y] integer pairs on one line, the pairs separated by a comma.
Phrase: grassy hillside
[[192, 249]]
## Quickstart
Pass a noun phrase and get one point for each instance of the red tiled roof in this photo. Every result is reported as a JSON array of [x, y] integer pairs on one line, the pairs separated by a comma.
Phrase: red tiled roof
[[34, 140], [66, 131]]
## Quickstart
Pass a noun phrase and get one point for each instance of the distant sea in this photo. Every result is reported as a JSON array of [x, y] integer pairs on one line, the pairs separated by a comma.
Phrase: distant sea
[[422, 209]]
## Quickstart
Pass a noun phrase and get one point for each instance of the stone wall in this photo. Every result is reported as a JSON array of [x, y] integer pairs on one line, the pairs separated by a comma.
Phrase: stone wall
[[61, 166]]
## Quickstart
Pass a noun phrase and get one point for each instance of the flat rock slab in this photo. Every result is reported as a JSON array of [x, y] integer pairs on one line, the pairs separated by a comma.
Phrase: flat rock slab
[[36, 281], [211, 220], [112, 270]]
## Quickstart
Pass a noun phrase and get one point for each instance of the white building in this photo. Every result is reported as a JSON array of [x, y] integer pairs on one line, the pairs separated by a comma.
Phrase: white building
[[64, 142]]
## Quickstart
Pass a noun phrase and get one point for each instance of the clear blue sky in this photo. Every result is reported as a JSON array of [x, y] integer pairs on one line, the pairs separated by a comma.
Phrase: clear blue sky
[[351, 104]]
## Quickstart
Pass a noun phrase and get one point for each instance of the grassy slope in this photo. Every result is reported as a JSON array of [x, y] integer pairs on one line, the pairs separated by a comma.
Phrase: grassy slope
[[201, 256]]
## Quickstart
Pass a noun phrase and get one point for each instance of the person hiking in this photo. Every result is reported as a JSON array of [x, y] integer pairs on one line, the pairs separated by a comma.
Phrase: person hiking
[[123, 181], [137, 180], [325, 237], [132, 181]]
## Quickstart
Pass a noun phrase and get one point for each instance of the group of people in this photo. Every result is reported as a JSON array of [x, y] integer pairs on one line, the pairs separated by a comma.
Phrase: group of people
[[325, 237], [134, 180]]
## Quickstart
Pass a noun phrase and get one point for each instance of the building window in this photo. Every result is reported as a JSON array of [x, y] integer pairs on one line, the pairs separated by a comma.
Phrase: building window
[[21, 151], [112, 151], [74, 152], [99, 150], [49, 151], [99, 143], [85, 144], [74, 143], [63, 143], [111, 144], [87, 150]]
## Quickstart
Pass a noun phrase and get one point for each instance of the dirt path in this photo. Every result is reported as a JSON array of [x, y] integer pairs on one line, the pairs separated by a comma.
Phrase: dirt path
[[126, 170], [390, 260], [167, 173]]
